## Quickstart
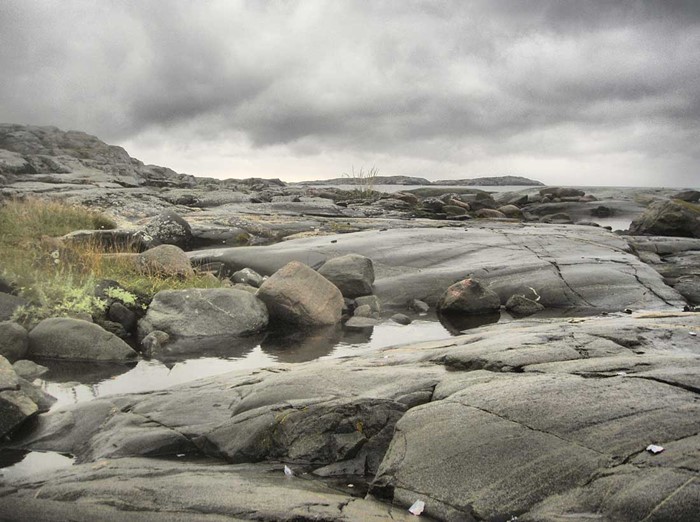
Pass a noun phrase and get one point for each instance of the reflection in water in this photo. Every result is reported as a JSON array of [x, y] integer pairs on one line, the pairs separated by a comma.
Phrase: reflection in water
[[74, 382], [457, 323], [84, 372], [302, 345], [224, 347], [16, 465]]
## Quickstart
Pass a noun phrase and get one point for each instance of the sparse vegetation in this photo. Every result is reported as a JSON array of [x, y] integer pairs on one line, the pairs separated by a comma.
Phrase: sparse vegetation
[[59, 277], [364, 180]]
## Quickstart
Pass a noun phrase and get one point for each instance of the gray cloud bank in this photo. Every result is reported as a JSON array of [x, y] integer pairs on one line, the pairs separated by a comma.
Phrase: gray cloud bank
[[569, 92]]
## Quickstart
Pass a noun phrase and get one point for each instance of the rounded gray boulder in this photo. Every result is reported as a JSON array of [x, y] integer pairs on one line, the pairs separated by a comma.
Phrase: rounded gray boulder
[[74, 339], [168, 228], [469, 296], [300, 295], [196, 312], [165, 260], [353, 274]]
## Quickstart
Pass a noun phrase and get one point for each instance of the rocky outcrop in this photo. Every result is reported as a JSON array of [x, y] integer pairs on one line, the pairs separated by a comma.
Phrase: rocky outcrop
[[31, 153], [297, 294], [199, 312], [153, 490], [559, 414], [668, 218], [353, 274], [583, 268], [677, 259], [77, 340]]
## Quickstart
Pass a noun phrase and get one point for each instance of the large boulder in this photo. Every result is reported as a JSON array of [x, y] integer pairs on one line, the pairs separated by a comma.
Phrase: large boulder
[[168, 228], [165, 260], [74, 339], [668, 218], [353, 274], [13, 341], [300, 295], [469, 296], [198, 312]]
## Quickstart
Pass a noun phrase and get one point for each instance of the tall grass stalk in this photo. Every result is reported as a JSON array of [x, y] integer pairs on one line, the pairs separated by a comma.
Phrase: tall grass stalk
[[364, 180]]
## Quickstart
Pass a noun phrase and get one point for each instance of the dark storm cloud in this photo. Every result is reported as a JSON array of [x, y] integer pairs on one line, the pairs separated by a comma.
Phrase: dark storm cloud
[[439, 81]]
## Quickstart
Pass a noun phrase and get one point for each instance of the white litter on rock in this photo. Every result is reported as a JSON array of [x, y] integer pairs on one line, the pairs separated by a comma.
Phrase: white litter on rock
[[692, 333], [288, 471], [417, 508], [653, 448], [621, 374]]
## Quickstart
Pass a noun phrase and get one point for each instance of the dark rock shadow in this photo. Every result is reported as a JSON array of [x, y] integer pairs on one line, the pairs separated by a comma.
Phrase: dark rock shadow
[[293, 345], [10, 457], [458, 323]]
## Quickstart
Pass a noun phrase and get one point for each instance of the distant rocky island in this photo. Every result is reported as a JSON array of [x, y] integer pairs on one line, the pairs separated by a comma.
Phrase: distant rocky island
[[493, 181]]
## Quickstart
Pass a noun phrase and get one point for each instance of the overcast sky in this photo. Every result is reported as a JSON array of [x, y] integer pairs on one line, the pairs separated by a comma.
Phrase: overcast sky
[[567, 92]]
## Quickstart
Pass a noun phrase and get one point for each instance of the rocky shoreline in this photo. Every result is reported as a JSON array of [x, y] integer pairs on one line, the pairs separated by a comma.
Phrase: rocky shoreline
[[546, 417]]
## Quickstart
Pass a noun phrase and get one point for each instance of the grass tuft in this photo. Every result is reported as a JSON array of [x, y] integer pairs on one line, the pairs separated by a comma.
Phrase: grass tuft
[[364, 180]]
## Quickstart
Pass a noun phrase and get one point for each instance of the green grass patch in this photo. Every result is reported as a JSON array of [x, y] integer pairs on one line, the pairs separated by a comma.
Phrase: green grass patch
[[59, 277]]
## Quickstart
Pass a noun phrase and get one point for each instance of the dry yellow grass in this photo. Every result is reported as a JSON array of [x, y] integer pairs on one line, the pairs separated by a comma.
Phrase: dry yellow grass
[[59, 277]]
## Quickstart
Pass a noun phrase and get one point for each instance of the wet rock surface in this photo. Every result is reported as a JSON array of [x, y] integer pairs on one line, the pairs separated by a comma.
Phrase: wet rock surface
[[559, 413]]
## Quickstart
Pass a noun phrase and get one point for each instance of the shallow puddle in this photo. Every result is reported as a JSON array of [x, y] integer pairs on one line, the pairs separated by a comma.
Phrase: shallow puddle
[[71, 382], [75, 382], [20, 466]]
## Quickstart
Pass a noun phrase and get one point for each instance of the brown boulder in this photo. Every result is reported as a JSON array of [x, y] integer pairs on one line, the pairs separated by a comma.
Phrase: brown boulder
[[300, 295]]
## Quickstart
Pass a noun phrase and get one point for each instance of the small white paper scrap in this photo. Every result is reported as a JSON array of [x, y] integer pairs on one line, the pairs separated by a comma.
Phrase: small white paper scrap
[[653, 448], [288, 471], [417, 508]]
